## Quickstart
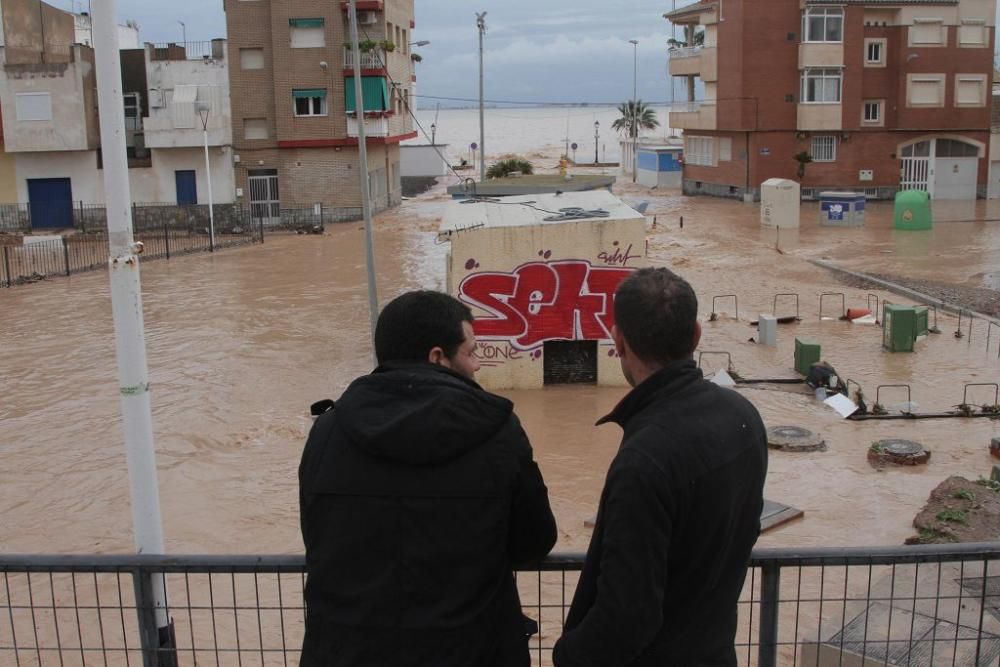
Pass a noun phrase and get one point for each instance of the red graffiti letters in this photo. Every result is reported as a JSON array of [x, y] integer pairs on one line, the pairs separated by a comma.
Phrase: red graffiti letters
[[540, 301]]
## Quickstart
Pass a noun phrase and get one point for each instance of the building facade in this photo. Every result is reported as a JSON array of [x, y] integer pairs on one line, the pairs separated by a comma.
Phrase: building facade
[[295, 118], [868, 95]]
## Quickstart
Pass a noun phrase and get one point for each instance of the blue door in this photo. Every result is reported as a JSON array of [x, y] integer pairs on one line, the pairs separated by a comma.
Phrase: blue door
[[51, 203], [187, 187]]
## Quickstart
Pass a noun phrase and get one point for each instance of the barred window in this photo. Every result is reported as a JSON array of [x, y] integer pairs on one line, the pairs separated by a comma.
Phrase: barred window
[[699, 151], [824, 149]]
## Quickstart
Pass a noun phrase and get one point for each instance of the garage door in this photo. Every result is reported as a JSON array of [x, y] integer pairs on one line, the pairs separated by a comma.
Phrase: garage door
[[956, 169]]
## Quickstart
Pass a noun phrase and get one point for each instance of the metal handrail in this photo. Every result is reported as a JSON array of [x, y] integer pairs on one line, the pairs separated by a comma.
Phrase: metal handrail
[[686, 52]]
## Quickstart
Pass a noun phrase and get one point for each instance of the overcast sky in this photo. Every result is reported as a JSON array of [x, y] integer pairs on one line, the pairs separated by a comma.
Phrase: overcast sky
[[536, 50]]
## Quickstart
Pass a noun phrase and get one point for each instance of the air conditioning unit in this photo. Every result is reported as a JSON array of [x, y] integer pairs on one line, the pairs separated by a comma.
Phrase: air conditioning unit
[[367, 18]]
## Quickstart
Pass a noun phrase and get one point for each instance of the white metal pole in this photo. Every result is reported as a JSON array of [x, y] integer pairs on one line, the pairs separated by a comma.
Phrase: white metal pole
[[481, 24], [126, 299], [366, 206], [635, 104], [211, 207]]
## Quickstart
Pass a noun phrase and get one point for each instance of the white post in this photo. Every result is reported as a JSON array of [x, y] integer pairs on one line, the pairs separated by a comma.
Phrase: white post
[[481, 25], [126, 299], [635, 118], [366, 207], [208, 173]]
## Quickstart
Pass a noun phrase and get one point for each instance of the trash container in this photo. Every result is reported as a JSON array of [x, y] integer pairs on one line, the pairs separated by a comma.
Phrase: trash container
[[923, 321], [899, 327], [780, 200], [807, 353], [913, 210], [842, 209]]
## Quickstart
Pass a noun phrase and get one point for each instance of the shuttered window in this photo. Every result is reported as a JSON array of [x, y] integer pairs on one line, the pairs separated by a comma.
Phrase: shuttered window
[[374, 91]]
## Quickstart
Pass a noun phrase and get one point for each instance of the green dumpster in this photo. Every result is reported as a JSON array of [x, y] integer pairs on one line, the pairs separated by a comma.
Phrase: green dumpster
[[923, 322], [807, 353], [913, 210], [899, 327]]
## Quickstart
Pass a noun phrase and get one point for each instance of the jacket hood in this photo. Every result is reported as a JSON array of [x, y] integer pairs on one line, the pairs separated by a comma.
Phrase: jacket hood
[[419, 414]]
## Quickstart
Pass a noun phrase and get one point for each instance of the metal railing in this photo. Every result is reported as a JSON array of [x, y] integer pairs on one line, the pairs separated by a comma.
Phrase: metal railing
[[690, 107], [211, 50], [685, 52], [369, 59], [927, 605], [377, 126]]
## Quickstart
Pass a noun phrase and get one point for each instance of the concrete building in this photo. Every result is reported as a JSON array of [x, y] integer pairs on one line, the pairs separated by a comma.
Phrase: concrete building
[[295, 120], [48, 102], [541, 285], [880, 96], [128, 33]]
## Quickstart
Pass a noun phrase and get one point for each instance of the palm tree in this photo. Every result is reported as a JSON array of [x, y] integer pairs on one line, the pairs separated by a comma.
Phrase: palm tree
[[636, 116]]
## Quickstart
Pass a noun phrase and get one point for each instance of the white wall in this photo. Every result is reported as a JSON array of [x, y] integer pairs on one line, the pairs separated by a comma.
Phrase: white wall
[[147, 185], [422, 160], [212, 78]]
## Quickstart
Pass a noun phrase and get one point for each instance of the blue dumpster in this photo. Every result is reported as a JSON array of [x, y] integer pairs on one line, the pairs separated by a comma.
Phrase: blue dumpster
[[842, 209]]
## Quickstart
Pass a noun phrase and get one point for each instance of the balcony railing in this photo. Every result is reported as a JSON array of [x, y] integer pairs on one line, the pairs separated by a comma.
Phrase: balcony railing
[[374, 126], [691, 107], [685, 52], [369, 59]]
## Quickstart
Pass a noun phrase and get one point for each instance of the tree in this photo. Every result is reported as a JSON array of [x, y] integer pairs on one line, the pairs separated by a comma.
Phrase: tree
[[504, 168], [644, 118], [803, 159], [697, 40]]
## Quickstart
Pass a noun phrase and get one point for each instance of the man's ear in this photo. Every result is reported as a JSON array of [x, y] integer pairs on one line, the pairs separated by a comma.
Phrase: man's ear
[[436, 356], [697, 336], [620, 344]]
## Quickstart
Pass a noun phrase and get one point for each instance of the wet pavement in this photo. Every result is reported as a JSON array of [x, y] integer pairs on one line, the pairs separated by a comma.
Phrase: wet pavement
[[241, 342]]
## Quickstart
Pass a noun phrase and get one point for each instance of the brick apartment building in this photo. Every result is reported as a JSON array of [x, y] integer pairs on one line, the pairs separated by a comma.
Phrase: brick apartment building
[[883, 95], [294, 113]]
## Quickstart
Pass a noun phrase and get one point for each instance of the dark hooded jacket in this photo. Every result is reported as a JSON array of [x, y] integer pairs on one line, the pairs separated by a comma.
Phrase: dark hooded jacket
[[418, 497], [678, 517]]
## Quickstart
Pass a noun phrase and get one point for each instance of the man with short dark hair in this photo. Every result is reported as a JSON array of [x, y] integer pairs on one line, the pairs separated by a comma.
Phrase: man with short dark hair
[[680, 510], [418, 497]]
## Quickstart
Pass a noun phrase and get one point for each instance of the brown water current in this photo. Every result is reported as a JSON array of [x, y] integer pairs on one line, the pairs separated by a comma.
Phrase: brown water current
[[241, 342]]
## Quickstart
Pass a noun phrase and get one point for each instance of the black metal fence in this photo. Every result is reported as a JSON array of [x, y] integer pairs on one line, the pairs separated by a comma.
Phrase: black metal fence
[[919, 605], [65, 255]]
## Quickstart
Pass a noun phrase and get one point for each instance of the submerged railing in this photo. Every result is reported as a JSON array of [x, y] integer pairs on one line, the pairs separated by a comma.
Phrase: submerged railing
[[917, 605]]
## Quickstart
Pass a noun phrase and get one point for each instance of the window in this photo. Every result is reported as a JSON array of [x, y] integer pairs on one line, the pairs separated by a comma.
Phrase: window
[[872, 112], [919, 149], [34, 106], [310, 102], [823, 24], [252, 58], [824, 149], [874, 52], [699, 151], [954, 148], [927, 32], [725, 149], [925, 90], [972, 32], [970, 90], [374, 90], [821, 86], [255, 128], [307, 33]]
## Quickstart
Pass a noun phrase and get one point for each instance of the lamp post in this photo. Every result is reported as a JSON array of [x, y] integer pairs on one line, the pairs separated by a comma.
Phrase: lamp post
[[597, 137], [635, 121], [422, 42], [434, 129], [203, 109], [481, 25], [184, 33]]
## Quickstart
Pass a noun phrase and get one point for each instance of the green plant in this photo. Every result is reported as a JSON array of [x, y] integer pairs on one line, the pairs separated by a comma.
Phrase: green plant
[[635, 116], [416, 57], [697, 40], [876, 448], [504, 168], [991, 484], [954, 516], [365, 45], [929, 535], [965, 495], [388, 45], [803, 158]]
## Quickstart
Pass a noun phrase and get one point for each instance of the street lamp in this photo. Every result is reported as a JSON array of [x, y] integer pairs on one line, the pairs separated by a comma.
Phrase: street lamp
[[434, 129], [635, 124], [203, 109], [184, 33], [597, 137], [422, 42]]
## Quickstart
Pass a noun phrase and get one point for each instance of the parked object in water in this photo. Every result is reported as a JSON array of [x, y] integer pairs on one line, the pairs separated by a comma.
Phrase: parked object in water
[[913, 211]]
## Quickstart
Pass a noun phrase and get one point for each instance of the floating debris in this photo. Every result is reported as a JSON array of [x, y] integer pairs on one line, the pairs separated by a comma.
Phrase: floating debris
[[794, 439], [898, 452]]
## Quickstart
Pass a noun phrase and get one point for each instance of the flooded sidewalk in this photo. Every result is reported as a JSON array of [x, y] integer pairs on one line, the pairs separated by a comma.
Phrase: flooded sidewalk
[[241, 343]]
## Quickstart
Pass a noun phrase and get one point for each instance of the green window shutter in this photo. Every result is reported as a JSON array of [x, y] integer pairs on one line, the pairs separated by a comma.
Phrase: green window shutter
[[306, 23], [309, 92], [374, 89]]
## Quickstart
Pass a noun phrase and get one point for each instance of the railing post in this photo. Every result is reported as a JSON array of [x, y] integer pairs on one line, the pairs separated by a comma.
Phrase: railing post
[[159, 644], [65, 254], [6, 266], [83, 222], [166, 238], [770, 590]]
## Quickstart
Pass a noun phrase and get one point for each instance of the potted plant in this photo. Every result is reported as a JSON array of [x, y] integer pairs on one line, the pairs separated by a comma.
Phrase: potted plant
[[803, 159]]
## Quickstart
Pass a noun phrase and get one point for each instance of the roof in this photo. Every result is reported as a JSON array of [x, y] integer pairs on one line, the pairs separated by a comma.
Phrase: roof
[[688, 10], [524, 211]]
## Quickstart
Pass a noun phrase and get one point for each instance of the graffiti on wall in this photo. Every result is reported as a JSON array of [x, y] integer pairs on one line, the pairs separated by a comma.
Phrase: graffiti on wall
[[540, 301]]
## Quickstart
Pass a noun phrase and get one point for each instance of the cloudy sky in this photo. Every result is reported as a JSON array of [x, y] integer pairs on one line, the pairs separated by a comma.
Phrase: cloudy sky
[[537, 51]]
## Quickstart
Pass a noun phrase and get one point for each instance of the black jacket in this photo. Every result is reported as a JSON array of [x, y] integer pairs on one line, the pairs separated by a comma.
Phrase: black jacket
[[418, 495], [679, 514]]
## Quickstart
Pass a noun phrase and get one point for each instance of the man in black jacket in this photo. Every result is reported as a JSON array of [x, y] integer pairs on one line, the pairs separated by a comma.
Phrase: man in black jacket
[[418, 496], [680, 510]]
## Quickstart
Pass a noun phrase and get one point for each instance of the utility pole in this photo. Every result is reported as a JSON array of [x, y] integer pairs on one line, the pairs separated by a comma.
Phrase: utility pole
[[635, 104], [184, 34], [481, 24], [366, 205], [130, 330]]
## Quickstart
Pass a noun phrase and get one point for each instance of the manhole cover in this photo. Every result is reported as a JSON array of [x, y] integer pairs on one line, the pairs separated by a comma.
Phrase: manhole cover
[[898, 451], [794, 439]]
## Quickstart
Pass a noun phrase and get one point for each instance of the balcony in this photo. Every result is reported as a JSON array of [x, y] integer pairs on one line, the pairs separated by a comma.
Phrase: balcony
[[820, 117], [821, 54], [695, 61], [376, 59], [693, 115], [375, 126]]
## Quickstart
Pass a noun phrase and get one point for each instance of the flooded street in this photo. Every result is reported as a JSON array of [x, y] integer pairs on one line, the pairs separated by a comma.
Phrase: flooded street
[[241, 342]]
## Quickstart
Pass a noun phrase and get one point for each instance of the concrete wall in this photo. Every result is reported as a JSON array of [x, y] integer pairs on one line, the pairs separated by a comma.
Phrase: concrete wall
[[212, 78], [423, 160], [35, 32], [8, 176], [575, 267]]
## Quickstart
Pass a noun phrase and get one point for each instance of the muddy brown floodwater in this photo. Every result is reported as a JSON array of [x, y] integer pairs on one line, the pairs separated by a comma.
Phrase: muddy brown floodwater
[[241, 342]]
